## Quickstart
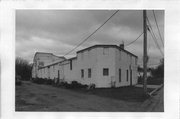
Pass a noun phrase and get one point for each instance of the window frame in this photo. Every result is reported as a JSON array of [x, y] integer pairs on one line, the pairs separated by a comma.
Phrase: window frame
[[127, 75], [82, 73], [70, 64], [119, 74], [105, 71], [89, 72]]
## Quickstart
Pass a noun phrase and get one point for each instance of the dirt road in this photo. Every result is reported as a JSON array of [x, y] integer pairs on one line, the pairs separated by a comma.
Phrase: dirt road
[[34, 97]]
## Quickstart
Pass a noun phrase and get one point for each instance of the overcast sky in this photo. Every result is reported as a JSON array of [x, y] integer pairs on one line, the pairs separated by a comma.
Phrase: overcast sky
[[59, 31]]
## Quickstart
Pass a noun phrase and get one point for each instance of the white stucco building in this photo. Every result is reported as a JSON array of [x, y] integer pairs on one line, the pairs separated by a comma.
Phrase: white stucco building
[[102, 65], [42, 59]]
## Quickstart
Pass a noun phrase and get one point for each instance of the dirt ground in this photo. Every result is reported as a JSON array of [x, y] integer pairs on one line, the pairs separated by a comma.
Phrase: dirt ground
[[35, 97]]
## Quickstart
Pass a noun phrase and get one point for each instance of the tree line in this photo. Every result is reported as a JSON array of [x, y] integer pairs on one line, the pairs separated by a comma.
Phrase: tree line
[[23, 69], [156, 74]]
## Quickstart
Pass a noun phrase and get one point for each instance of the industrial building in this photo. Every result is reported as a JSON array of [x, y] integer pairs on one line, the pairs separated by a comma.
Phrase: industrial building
[[103, 65]]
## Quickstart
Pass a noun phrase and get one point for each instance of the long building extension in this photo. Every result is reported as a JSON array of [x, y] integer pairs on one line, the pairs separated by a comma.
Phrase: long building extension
[[103, 65]]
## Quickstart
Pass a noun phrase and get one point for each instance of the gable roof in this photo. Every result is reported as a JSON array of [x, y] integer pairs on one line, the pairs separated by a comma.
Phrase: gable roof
[[112, 46]]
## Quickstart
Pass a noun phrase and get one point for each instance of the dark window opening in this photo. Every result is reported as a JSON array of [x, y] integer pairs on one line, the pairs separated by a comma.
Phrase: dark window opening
[[127, 74], [82, 73], [105, 71], [119, 75], [89, 73], [70, 64]]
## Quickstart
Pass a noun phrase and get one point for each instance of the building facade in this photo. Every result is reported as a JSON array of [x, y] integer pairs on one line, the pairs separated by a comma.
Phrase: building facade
[[42, 59], [103, 65]]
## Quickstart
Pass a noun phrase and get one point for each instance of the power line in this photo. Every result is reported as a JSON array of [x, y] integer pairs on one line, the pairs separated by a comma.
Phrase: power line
[[157, 27], [150, 26], [134, 40], [155, 40], [92, 33], [154, 37], [149, 45]]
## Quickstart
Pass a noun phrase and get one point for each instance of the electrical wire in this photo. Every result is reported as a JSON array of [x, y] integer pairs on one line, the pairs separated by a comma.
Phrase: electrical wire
[[154, 37], [92, 33], [134, 40], [157, 27]]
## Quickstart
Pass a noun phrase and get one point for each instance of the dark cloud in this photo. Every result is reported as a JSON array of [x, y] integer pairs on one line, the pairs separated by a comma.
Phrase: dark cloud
[[58, 31]]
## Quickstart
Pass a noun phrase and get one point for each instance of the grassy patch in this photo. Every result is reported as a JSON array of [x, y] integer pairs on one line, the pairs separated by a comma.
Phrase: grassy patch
[[132, 94]]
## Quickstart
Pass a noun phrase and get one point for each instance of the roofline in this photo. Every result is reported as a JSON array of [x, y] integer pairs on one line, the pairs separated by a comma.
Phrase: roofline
[[48, 53], [43, 53], [114, 46], [72, 58], [59, 62], [40, 53], [52, 64], [59, 56]]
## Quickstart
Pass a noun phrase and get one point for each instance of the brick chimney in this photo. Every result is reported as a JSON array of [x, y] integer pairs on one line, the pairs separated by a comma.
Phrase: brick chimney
[[121, 46]]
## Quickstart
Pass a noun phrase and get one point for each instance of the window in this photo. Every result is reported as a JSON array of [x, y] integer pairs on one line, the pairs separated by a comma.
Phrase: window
[[119, 75], [82, 73], [89, 73], [127, 74], [70, 64], [105, 71]]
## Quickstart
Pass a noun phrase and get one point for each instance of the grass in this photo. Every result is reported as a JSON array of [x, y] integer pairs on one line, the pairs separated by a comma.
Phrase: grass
[[132, 94], [35, 97]]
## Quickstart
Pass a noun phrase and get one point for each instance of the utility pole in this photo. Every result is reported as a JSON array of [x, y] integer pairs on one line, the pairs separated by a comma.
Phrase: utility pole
[[145, 54]]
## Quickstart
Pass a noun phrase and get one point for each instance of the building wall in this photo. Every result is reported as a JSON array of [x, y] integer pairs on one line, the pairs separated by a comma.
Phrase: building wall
[[125, 62], [87, 60], [68, 73], [33, 72], [105, 59], [95, 59], [42, 59]]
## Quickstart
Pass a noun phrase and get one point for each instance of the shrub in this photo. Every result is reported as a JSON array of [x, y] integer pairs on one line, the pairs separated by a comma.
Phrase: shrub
[[39, 81], [72, 85], [49, 82], [75, 84], [91, 86]]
